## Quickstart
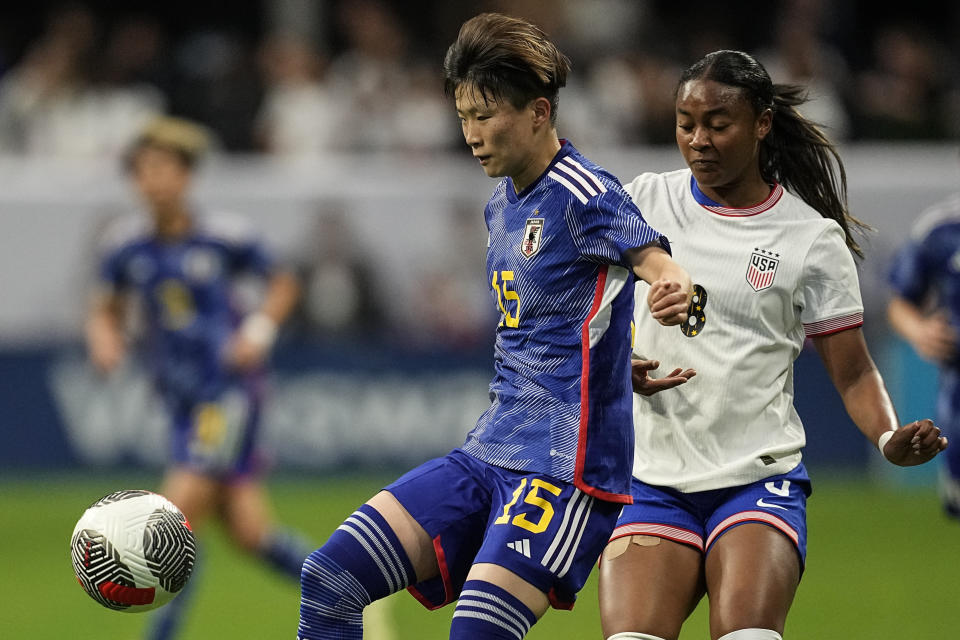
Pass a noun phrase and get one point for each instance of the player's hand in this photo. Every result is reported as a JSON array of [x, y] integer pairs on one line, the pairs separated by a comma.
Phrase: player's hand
[[914, 444], [647, 386], [244, 354], [935, 339], [669, 300]]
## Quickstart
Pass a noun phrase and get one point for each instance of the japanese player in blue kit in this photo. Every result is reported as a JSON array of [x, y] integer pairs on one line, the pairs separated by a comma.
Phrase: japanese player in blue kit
[[925, 311], [514, 519], [207, 360]]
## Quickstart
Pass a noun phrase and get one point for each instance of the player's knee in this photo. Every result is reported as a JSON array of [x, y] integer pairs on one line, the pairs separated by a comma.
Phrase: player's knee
[[362, 560], [485, 610], [752, 634], [325, 583]]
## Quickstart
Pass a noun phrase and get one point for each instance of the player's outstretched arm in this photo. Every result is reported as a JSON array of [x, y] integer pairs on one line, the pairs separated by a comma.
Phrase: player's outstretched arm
[[931, 336], [868, 403], [104, 331], [670, 286], [256, 334]]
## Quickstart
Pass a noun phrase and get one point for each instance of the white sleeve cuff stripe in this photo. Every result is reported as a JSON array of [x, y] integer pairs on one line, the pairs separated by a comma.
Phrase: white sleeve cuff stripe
[[832, 325]]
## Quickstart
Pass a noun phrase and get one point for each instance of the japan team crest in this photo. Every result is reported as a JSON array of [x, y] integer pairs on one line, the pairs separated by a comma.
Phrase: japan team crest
[[532, 235], [762, 269]]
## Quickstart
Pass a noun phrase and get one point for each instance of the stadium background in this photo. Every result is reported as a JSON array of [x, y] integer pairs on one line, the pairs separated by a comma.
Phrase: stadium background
[[333, 137]]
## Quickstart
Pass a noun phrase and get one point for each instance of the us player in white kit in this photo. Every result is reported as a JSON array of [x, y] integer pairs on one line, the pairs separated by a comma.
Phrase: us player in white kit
[[759, 219]]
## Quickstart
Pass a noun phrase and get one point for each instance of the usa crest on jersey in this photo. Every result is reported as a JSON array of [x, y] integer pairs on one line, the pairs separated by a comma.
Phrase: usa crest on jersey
[[762, 269], [531, 237]]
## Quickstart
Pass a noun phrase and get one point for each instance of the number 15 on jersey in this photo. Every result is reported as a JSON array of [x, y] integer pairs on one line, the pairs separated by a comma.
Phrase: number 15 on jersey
[[507, 299]]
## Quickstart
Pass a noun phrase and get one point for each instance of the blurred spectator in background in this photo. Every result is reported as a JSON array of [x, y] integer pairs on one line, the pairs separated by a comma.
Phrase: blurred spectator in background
[[393, 100], [300, 113], [339, 299], [903, 93], [455, 297], [354, 78], [214, 84], [51, 103], [802, 55]]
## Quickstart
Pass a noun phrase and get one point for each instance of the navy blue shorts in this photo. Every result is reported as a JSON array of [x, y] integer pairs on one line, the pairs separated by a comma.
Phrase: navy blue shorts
[[217, 437], [546, 531], [699, 518]]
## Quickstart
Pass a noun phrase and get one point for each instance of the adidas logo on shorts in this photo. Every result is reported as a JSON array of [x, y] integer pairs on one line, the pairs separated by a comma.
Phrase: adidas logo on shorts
[[521, 546]]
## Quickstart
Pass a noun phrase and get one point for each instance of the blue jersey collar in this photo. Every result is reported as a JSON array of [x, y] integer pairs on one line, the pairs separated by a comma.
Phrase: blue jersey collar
[[566, 148], [700, 196]]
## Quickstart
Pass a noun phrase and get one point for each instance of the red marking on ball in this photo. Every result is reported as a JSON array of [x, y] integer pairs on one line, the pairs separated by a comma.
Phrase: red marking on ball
[[126, 595]]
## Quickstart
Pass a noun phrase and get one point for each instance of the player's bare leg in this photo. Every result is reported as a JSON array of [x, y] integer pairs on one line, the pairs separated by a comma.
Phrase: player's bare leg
[[247, 514], [245, 507], [496, 604], [752, 574], [197, 496], [533, 598], [416, 542], [194, 493], [648, 585]]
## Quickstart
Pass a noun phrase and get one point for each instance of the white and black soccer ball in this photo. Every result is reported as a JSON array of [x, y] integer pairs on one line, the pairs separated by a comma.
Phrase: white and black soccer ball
[[133, 550]]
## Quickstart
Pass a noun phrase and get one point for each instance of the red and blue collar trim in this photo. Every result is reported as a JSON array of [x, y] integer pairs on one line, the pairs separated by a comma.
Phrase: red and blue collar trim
[[715, 207]]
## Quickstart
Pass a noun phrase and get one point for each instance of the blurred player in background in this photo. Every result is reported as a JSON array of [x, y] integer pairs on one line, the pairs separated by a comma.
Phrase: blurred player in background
[[208, 361], [514, 520], [719, 489], [925, 310]]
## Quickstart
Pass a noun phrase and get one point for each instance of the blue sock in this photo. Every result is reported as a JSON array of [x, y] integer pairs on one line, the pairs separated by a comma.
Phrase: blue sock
[[286, 551], [165, 622], [361, 562], [484, 610]]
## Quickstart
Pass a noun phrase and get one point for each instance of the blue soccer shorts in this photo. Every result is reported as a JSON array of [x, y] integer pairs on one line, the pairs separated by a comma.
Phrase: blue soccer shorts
[[546, 531], [699, 518], [217, 436]]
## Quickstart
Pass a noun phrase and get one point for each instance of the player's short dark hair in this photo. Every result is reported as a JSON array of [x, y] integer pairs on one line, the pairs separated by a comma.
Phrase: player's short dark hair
[[505, 58], [186, 140]]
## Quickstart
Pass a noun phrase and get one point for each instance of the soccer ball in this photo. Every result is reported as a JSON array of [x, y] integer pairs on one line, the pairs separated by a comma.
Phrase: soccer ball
[[133, 550]]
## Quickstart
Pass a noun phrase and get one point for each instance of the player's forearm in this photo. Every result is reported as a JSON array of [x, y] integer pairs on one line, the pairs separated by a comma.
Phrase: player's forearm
[[905, 318], [652, 263], [281, 296], [259, 330], [100, 324], [869, 405], [856, 378], [105, 319]]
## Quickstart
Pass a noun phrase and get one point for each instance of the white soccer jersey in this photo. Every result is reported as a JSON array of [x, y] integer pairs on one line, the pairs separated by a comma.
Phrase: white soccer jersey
[[766, 277]]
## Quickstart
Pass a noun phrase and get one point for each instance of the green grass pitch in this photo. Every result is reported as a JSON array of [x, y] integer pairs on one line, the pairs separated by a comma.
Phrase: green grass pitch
[[883, 563]]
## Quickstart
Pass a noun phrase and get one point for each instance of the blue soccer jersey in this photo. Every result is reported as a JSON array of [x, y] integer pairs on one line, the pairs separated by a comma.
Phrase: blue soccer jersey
[[561, 395], [929, 265], [187, 287]]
